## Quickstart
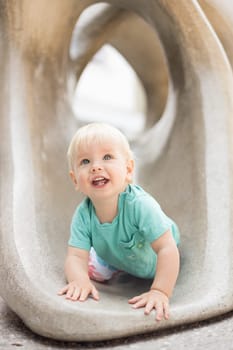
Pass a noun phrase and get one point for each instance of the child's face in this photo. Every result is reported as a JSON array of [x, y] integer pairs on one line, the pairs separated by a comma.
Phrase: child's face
[[102, 170]]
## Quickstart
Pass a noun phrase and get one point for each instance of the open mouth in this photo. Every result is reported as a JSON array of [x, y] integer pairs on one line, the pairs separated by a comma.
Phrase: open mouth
[[99, 181]]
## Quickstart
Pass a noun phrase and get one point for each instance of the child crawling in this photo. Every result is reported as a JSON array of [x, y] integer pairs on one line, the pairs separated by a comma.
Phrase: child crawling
[[118, 226]]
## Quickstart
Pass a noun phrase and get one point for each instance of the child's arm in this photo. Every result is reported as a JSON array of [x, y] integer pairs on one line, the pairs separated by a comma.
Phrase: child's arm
[[165, 278], [79, 285]]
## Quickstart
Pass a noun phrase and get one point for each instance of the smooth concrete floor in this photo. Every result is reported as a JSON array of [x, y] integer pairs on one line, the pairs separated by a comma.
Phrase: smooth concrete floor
[[210, 335]]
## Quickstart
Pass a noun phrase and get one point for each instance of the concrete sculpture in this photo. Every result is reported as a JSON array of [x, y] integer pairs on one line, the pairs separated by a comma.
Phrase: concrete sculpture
[[185, 156]]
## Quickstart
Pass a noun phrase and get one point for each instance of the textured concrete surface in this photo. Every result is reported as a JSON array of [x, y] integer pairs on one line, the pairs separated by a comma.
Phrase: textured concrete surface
[[212, 335], [185, 160]]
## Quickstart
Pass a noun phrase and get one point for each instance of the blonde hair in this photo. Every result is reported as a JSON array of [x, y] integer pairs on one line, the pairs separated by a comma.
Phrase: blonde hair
[[96, 132]]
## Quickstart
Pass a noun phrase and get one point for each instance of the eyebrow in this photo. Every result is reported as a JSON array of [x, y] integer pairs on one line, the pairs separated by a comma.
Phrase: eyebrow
[[83, 156], [104, 150]]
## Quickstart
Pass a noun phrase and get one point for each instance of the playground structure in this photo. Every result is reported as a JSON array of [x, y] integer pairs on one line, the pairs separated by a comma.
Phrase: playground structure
[[182, 52]]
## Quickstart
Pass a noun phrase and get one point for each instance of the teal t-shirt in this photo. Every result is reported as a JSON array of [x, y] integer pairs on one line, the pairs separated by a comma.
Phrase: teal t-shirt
[[125, 242]]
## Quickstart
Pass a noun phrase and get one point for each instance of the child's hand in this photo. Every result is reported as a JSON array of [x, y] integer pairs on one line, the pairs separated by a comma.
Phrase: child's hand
[[75, 291], [152, 299]]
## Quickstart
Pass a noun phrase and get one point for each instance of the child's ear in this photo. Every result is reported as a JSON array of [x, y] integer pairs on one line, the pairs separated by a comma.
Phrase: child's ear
[[73, 178], [130, 169]]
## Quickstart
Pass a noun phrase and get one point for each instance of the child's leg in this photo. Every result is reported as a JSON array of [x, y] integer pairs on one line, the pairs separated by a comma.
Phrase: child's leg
[[98, 269]]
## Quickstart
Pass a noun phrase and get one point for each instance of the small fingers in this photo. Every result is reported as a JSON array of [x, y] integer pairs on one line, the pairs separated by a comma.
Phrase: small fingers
[[134, 300], [95, 293], [70, 292], [159, 311], [149, 307], [150, 302], [74, 293], [166, 311], [63, 290], [85, 293], [162, 311], [139, 303], [137, 298]]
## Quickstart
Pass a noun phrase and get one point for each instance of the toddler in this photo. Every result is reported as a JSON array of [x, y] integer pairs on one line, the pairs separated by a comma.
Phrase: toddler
[[118, 226]]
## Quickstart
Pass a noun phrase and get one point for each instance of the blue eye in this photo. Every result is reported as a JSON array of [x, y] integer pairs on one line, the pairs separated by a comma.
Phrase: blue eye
[[107, 157], [84, 161]]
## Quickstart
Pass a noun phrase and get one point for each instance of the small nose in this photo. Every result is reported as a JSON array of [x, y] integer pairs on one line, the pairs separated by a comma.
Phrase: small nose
[[95, 168]]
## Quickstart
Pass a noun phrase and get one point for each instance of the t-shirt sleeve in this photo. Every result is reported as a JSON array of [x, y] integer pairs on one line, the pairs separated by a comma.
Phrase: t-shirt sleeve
[[152, 222], [80, 236]]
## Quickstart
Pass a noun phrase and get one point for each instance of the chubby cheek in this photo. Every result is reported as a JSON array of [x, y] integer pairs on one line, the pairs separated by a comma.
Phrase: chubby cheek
[[82, 183], [120, 174]]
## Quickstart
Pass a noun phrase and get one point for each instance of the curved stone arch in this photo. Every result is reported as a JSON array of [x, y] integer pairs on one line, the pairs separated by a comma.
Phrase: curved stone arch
[[189, 176], [220, 15], [138, 44]]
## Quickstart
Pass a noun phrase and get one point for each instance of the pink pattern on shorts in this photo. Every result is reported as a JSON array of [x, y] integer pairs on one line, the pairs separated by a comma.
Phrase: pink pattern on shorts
[[98, 269]]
